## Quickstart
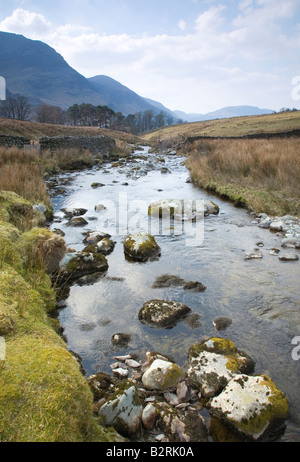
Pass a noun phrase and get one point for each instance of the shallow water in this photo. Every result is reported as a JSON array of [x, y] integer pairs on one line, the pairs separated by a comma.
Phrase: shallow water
[[262, 297]]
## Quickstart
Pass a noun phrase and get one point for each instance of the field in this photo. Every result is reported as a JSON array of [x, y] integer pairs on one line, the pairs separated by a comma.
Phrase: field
[[234, 126], [261, 174]]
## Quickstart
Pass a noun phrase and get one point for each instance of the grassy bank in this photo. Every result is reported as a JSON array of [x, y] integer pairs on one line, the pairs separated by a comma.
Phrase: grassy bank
[[263, 175], [234, 126], [43, 395]]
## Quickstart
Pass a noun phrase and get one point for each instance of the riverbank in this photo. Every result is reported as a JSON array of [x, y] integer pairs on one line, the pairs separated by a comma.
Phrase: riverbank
[[262, 175], [44, 396]]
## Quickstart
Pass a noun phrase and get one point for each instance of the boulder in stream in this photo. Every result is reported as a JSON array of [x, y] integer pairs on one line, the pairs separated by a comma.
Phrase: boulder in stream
[[78, 264], [162, 313], [141, 247], [251, 404], [214, 362]]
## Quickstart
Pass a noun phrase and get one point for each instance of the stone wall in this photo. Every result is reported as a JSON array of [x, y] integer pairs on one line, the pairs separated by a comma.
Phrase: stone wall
[[287, 134], [9, 141], [96, 144]]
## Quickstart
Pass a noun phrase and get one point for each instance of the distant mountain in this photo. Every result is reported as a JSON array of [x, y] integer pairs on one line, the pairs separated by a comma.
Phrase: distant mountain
[[35, 70], [120, 98], [224, 113]]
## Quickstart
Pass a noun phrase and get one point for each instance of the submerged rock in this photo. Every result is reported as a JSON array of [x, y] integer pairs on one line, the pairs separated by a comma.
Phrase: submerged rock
[[251, 404], [77, 221], [214, 362], [141, 247], [162, 314], [168, 280]]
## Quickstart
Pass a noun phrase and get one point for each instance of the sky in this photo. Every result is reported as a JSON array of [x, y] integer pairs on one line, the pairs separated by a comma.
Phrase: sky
[[196, 56]]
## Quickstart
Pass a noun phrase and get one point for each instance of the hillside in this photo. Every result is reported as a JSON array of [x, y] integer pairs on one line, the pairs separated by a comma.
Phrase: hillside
[[35, 130], [235, 126], [224, 113], [35, 70]]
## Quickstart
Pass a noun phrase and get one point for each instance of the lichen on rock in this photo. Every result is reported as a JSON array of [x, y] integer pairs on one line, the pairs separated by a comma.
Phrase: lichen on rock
[[162, 313], [251, 404], [141, 247]]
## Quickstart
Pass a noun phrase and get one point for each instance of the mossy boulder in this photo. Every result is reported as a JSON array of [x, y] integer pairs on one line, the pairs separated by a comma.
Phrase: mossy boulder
[[182, 210], [162, 313], [251, 404], [123, 410], [104, 246], [78, 264], [212, 363], [141, 247], [162, 375]]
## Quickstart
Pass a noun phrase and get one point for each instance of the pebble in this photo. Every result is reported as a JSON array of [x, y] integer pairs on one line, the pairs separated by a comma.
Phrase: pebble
[[132, 363], [120, 372]]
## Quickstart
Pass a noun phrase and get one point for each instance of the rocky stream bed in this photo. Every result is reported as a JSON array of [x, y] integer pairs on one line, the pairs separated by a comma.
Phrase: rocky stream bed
[[183, 309]]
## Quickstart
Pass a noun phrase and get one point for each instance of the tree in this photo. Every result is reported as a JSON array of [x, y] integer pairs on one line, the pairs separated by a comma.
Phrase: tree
[[48, 114], [16, 108]]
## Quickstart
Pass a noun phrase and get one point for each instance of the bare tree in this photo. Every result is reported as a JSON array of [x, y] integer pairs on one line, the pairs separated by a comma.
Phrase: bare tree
[[15, 108], [48, 114]]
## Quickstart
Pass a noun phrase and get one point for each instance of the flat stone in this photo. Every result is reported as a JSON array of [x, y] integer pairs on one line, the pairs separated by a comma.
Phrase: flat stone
[[251, 404], [162, 314]]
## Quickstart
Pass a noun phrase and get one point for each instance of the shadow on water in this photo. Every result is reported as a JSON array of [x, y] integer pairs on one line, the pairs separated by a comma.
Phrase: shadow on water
[[262, 297]]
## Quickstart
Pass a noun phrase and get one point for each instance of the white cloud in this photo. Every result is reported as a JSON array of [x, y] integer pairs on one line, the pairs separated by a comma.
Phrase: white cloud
[[182, 25], [25, 22], [221, 62]]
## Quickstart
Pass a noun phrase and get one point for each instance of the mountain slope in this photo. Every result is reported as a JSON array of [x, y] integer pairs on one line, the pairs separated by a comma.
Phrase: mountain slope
[[119, 97], [224, 113], [35, 70]]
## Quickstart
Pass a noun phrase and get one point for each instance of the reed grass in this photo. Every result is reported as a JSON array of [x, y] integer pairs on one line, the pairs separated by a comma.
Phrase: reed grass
[[263, 175]]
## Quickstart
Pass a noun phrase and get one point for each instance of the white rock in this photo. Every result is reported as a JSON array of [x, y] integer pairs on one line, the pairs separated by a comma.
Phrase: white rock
[[149, 416], [162, 375]]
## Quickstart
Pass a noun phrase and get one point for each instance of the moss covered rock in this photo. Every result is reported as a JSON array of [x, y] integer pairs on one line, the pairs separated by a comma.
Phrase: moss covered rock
[[162, 375], [212, 363], [141, 247], [162, 313], [180, 209], [251, 404], [78, 264], [123, 410]]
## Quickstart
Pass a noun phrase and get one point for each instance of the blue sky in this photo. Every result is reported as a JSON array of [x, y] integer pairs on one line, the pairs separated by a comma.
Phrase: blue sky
[[191, 55]]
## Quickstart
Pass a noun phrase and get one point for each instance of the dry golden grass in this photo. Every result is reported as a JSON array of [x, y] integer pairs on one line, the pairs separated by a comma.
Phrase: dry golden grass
[[262, 174], [21, 173], [234, 126]]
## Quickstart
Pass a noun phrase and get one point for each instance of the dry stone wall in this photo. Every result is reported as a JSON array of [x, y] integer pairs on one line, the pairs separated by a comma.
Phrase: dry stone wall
[[96, 144], [10, 141]]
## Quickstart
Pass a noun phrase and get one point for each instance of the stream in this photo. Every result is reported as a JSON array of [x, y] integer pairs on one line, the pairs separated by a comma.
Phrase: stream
[[260, 296]]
